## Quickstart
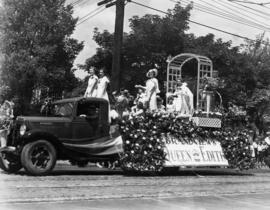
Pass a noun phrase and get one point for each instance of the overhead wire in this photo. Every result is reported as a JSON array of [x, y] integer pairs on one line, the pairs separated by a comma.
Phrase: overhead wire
[[90, 15], [224, 15], [250, 2], [227, 16], [76, 2], [201, 24], [237, 11], [83, 3], [250, 8]]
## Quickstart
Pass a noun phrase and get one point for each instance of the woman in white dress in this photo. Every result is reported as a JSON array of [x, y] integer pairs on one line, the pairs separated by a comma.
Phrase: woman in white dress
[[91, 90], [102, 85], [178, 100], [184, 99], [155, 71], [188, 95], [151, 89]]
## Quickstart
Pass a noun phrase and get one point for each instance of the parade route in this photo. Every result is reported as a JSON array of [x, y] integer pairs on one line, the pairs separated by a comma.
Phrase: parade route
[[92, 188], [236, 201]]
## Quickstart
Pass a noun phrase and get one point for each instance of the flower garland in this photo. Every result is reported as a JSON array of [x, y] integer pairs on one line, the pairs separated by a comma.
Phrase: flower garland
[[143, 144], [144, 141]]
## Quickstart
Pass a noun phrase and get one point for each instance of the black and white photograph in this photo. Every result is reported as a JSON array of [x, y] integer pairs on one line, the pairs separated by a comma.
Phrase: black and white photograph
[[134, 104]]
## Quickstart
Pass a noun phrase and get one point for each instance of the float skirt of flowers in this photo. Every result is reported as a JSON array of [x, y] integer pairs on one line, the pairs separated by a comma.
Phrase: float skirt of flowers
[[144, 141]]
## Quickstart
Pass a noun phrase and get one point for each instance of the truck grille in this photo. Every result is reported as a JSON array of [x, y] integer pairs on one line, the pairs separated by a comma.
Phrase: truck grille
[[15, 133]]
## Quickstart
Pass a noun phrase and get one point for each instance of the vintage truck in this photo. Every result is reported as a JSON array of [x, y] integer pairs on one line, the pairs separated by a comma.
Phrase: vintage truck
[[75, 129]]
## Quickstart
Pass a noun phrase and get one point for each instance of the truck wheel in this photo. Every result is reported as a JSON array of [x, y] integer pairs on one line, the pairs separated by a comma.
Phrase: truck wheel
[[38, 157], [9, 166]]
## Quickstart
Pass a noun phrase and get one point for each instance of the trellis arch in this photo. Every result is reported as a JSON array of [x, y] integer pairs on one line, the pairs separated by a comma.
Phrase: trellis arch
[[174, 72]]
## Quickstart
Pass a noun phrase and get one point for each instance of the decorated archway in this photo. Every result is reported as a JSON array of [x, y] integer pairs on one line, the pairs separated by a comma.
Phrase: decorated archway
[[174, 72]]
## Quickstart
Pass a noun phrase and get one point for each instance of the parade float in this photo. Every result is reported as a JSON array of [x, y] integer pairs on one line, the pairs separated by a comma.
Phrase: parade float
[[157, 141], [79, 130]]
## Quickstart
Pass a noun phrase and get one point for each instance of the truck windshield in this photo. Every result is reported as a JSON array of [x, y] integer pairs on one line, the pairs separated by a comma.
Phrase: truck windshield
[[63, 109]]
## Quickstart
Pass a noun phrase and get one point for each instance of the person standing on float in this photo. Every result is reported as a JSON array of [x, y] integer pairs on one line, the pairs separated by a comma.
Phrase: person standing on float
[[155, 71], [102, 85], [188, 106], [91, 90], [150, 90], [178, 100]]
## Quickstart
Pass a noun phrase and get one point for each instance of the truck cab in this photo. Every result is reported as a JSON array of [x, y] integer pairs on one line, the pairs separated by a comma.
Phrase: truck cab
[[75, 129]]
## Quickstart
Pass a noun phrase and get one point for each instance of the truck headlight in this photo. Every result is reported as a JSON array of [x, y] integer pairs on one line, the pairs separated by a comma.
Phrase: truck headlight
[[22, 129]]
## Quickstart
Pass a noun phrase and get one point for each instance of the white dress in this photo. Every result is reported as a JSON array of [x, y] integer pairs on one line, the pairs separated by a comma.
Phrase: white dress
[[188, 95], [178, 101], [157, 86], [102, 88], [184, 100], [151, 94], [91, 90]]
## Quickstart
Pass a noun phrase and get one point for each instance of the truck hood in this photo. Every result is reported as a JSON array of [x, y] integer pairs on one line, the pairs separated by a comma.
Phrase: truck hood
[[43, 119]]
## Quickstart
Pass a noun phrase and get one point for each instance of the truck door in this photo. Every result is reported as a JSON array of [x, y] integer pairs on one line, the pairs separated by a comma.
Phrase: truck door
[[85, 126]]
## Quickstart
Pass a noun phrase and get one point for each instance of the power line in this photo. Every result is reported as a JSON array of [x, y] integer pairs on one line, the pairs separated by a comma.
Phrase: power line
[[253, 11], [76, 2], [234, 8], [239, 15], [250, 8], [224, 15], [79, 4], [250, 2], [240, 12], [197, 23], [90, 13], [90, 16], [85, 2]]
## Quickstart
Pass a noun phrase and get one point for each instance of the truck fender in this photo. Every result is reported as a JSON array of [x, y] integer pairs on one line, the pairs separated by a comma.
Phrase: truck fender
[[34, 135]]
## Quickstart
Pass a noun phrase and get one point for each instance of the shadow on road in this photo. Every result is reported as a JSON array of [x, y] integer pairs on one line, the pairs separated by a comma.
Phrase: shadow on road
[[94, 171]]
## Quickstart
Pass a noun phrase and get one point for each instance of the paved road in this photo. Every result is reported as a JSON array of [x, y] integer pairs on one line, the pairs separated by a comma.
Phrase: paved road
[[95, 189]]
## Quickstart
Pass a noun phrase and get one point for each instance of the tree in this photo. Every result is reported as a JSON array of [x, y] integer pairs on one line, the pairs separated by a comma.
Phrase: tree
[[243, 69], [258, 102], [151, 40], [37, 48]]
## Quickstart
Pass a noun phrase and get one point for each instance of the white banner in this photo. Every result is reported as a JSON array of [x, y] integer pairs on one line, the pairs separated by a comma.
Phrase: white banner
[[208, 154]]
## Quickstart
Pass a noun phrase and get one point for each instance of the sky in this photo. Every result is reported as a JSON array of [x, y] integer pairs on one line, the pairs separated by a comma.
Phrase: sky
[[255, 18]]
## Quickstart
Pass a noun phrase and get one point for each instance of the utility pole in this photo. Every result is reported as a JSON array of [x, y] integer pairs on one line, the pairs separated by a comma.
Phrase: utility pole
[[118, 39]]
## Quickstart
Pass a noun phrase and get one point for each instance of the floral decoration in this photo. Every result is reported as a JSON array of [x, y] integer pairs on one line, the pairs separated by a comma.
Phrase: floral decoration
[[145, 137]]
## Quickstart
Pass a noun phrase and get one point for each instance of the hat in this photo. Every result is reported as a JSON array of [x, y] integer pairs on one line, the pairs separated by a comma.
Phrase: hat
[[155, 71]]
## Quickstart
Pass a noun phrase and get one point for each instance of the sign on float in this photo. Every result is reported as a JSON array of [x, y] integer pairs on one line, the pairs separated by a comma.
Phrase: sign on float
[[195, 154]]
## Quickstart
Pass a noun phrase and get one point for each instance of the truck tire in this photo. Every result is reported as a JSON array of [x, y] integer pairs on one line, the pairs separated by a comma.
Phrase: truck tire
[[9, 166], [39, 157]]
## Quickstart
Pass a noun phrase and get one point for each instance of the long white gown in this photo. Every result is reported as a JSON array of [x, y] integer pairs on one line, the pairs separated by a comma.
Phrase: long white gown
[[178, 101], [151, 94], [91, 90], [184, 100], [157, 86], [188, 98], [102, 88]]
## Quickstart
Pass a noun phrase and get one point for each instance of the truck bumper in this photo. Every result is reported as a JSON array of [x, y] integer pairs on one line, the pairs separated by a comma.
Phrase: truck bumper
[[8, 149]]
